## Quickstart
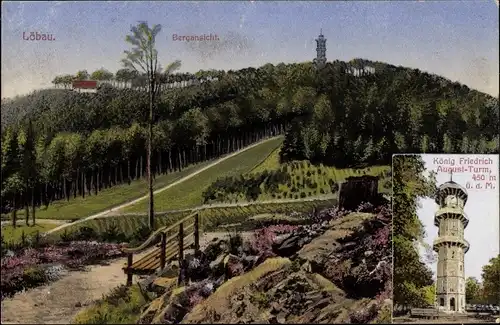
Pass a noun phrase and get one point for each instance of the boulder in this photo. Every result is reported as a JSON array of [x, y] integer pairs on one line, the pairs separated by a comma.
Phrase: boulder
[[215, 248], [233, 266], [197, 267], [154, 308], [278, 240], [289, 246], [218, 307], [217, 265], [161, 285]]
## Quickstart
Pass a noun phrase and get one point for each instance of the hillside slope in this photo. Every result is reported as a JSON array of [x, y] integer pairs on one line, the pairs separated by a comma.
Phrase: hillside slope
[[335, 270]]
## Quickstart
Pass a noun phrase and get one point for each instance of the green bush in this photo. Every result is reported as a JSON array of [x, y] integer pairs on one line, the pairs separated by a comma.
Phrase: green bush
[[248, 186], [122, 306], [33, 276]]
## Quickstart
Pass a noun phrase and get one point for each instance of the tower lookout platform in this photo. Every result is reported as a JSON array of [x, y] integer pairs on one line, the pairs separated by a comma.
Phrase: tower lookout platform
[[451, 247]]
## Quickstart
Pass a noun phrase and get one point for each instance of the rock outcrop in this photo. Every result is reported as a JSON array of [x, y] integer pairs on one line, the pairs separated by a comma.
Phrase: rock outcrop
[[326, 272]]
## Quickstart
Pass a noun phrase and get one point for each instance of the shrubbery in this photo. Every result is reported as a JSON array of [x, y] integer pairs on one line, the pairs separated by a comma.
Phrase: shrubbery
[[249, 186], [35, 266]]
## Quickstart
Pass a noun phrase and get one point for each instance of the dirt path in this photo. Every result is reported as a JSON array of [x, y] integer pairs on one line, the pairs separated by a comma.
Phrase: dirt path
[[101, 214], [60, 301]]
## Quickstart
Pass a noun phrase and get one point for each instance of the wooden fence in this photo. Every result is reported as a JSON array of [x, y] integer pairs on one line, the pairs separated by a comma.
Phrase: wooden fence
[[182, 235]]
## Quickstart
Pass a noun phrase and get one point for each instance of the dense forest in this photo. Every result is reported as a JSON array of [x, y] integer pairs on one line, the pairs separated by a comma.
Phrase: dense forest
[[59, 144]]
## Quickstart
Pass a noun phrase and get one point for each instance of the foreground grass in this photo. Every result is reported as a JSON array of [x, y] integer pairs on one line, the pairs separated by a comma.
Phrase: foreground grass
[[122, 306], [189, 193], [83, 207], [11, 234]]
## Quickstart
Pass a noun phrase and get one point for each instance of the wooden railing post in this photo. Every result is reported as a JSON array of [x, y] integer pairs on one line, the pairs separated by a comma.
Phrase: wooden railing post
[[163, 248], [180, 279], [196, 234], [181, 243], [129, 266]]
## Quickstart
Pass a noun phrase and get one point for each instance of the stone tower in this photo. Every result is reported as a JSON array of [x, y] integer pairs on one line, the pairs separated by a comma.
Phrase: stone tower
[[451, 247], [320, 60]]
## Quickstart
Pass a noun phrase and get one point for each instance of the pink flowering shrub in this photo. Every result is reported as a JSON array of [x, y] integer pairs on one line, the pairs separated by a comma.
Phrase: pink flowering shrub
[[330, 214], [263, 239], [194, 299], [33, 266]]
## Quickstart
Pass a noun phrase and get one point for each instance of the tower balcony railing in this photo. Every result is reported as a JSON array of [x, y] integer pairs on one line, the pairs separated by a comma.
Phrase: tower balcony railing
[[449, 210], [450, 239]]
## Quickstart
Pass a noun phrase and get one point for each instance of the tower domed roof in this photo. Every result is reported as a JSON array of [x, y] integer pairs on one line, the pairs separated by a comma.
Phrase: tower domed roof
[[450, 188]]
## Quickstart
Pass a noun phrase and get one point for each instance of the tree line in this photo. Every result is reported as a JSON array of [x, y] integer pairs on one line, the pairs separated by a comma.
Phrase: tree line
[[351, 120], [38, 171], [486, 291], [127, 78]]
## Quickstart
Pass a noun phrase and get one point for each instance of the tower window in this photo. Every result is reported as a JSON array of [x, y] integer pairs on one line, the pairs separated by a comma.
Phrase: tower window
[[461, 268]]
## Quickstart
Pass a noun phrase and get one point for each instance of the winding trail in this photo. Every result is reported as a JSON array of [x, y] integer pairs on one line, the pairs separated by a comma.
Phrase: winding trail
[[124, 205], [60, 301]]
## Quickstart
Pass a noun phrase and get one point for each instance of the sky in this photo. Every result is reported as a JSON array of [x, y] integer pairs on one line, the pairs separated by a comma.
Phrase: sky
[[455, 39], [482, 208]]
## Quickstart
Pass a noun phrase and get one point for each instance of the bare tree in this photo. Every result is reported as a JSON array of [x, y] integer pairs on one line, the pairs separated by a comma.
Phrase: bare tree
[[144, 58]]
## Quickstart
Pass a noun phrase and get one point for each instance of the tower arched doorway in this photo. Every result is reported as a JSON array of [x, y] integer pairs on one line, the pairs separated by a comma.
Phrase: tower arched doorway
[[452, 304]]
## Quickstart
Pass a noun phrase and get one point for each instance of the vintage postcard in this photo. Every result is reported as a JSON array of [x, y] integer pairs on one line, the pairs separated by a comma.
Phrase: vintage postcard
[[231, 161]]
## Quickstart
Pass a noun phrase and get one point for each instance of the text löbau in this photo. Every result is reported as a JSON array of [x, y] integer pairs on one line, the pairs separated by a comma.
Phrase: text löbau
[[36, 36]]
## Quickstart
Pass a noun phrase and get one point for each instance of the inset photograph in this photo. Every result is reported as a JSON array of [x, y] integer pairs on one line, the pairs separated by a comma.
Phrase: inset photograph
[[446, 238]]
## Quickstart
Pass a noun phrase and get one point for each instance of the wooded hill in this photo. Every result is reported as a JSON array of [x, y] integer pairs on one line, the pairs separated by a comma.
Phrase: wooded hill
[[78, 143]]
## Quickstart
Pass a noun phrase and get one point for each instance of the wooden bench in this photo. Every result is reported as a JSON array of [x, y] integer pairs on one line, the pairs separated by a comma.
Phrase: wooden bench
[[168, 249], [429, 313]]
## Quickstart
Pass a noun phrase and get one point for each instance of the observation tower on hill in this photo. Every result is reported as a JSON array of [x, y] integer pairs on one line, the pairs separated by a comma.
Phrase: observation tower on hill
[[451, 247], [320, 59]]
